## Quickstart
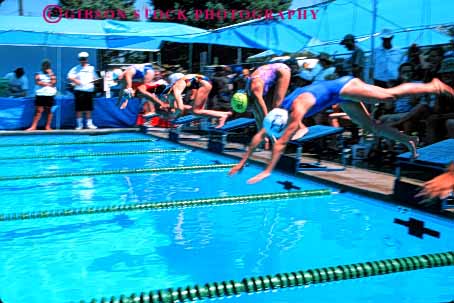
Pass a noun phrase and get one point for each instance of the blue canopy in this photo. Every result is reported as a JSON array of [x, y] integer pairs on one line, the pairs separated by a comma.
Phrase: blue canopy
[[109, 34], [263, 34], [411, 21], [100, 34]]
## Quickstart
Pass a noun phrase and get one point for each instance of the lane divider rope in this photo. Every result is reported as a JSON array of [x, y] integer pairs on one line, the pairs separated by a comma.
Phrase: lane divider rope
[[78, 142], [286, 280], [118, 172], [163, 205], [101, 154]]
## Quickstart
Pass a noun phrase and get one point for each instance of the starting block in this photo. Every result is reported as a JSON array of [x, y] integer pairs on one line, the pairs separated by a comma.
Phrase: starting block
[[294, 164], [433, 161], [218, 136], [174, 133]]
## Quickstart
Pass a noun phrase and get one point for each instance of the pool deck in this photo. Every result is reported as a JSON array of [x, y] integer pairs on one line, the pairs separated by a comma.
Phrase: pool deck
[[372, 183]]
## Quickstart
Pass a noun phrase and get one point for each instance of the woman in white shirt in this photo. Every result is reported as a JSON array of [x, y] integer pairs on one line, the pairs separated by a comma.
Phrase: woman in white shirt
[[44, 91]]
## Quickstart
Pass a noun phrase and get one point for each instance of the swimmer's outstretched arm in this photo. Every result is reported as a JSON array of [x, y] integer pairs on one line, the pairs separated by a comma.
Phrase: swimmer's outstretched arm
[[299, 109], [278, 149], [143, 90], [256, 140]]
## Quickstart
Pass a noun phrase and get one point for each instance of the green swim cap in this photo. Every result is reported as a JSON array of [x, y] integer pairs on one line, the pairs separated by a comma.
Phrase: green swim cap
[[239, 102]]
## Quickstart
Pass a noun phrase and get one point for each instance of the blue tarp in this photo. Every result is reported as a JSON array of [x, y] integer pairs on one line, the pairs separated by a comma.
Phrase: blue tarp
[[100, 34], [264, 34], [110, 34], [17, 113], [412, 21]]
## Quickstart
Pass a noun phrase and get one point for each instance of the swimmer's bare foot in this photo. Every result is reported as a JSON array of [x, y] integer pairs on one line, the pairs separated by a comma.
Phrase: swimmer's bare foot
[[412, 145], [30, 129], [223, 119], [300, 133], [48, 128], [441, 88]]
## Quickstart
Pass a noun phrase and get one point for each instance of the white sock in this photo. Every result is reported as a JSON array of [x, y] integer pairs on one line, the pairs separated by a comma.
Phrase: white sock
[[80, 122]]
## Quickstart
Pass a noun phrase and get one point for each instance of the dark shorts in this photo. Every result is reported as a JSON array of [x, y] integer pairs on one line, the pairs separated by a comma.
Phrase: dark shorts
[[83, 101], [46, 101]]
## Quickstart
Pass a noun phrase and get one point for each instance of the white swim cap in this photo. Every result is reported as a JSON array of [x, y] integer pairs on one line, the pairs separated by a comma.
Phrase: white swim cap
[[175, 77], [276, 122], [116, 73]]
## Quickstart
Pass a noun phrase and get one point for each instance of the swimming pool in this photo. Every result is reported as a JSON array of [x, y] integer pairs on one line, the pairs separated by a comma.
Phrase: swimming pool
[[67, 259]]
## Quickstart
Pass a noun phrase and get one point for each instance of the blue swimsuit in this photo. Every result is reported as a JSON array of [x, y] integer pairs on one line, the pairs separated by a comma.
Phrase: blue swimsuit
[[141, 70], [326, 94]]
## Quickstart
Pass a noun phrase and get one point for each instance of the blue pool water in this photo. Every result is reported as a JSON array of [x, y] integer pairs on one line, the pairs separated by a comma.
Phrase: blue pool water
[[82, 257]]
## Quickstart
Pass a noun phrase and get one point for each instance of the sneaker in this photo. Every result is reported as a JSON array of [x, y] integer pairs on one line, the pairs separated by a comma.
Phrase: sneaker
[[79, 124], [90, 124]]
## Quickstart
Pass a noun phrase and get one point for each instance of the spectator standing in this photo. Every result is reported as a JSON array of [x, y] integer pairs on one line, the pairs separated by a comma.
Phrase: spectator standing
[[83, 76], [17, 83], [387, 61], [44, 91], [353, 66]]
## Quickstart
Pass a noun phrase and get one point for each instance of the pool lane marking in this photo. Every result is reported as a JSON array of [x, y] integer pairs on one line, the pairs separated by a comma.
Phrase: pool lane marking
[[278, 281], [163, 205], [79, 142], [100, 154], [120, 172]]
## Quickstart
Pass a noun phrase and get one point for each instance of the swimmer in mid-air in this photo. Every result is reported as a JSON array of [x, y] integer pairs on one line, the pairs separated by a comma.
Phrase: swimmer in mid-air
[[286, 124]]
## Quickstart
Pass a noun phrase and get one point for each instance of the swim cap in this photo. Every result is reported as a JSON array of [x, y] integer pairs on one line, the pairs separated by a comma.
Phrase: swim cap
[[175, 77], [239, 102], [116, 73], [276, 122]]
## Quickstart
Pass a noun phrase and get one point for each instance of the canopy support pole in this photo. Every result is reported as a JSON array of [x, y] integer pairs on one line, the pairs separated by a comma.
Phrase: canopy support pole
[[238, 55], [210, 49], [372, 40], [191, 49]]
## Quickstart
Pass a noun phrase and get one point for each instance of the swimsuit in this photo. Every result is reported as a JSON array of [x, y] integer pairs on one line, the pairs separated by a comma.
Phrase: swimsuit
[[141, 71], [193, 81], [326, 94], [268, 73]]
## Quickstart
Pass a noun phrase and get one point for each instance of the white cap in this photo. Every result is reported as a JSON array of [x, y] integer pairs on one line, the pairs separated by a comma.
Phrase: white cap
[[83, 55], [175, 77], [276, 122], [386, 33], [116, 73]]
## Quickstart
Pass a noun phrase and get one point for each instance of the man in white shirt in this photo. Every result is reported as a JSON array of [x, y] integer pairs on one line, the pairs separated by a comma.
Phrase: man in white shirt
[[387, 61], [17, 83], [83, 77]]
